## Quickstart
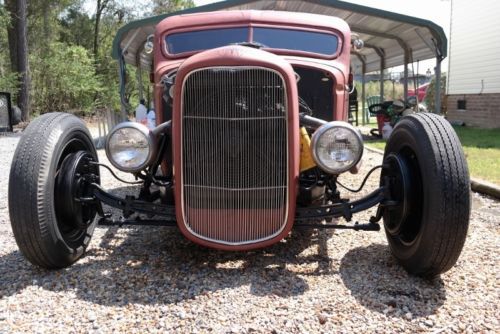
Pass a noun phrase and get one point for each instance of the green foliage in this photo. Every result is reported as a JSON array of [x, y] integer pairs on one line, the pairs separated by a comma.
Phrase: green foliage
[[482, 150], [431, 93], [168, 6], [76, 28], [480, 138], [63, 80], [43, 21], [8, 80], [4, 21]]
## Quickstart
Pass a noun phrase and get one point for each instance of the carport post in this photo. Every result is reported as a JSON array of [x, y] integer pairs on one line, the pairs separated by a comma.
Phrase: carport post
[[139, 80], [405, 85], [139, 72], [437, 98], [382, 66], [401, 43], [123, 74], [381, 54], [363, 93]]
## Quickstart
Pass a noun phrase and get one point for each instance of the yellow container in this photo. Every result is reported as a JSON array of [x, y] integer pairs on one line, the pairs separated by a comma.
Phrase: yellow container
[[306, 159]]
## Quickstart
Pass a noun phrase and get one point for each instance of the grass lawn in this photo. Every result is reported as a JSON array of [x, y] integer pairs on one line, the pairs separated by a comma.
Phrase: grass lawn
[[482, 150]]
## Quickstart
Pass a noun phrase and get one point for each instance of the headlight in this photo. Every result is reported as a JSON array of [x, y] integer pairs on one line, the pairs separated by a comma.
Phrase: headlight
[[336, 147], [130, 147]]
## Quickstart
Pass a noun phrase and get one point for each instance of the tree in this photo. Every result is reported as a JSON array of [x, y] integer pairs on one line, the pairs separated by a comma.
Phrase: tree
[[43, 20], [11, 7], [168, 6], [22, 54], [8, 78], [18, 46], [101, 6], [70, 65], [77, 28]]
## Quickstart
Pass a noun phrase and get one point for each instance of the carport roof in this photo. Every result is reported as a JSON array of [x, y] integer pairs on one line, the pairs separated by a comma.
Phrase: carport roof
[[385, 33]]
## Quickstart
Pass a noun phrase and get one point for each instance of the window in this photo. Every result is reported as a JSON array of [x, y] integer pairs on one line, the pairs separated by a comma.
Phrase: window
[[205, 39], [297, 40], [272, 38]]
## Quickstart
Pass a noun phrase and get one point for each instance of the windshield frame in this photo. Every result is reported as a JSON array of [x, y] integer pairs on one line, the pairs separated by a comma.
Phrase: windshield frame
[[250, 26]]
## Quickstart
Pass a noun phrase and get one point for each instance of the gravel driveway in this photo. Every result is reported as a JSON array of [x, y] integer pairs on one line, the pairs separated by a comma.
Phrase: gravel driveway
[[150, 279]]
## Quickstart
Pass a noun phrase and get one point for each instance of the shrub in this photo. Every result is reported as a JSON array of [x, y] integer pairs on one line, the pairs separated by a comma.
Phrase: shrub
[[63, 80], [431, 93]]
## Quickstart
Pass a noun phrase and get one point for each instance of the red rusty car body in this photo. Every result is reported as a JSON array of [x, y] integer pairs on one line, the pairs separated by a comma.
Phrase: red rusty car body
[[334, 67]]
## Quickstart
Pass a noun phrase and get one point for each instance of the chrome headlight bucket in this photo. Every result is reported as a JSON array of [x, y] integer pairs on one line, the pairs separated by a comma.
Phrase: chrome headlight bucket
[[336, 147], [130, 147]]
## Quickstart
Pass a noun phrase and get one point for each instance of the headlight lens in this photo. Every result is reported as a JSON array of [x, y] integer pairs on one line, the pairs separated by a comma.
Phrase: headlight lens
[[336, 147], [129, 147]]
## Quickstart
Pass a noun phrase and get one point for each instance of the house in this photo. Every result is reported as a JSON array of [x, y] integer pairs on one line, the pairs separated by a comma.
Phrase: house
[[473, 86]]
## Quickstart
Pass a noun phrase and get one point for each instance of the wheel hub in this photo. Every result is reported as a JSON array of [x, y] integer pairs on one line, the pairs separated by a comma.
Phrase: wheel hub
[[400, 187], [74, 216]]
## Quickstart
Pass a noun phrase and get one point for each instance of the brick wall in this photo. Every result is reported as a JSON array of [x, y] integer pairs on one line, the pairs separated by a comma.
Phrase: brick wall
[[481, 110]]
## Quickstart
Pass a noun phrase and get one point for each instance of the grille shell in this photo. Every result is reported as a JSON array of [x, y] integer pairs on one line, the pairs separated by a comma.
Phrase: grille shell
[[234, 154]]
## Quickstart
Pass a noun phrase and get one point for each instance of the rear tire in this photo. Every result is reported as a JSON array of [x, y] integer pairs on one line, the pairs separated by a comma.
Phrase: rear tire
[[51, 229], [427, 231]]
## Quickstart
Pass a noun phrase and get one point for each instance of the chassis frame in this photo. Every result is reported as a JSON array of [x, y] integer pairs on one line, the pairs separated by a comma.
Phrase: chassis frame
[[304, 216], [311, 216]]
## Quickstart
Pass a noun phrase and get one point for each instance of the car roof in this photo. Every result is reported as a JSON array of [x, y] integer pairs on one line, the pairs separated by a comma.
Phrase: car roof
[[253, 16]]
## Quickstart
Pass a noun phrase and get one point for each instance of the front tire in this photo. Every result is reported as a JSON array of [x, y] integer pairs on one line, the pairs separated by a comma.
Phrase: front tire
[[51, 229], [428, 176]]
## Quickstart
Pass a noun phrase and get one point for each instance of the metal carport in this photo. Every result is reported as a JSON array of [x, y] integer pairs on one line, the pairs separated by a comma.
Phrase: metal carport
[[391, 39]]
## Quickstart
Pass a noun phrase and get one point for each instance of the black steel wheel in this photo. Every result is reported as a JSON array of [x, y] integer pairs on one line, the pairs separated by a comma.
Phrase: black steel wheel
[[51, 226], [427, 173]]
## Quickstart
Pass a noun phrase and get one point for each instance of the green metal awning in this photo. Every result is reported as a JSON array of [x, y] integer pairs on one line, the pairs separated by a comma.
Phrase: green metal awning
[[391, 39]]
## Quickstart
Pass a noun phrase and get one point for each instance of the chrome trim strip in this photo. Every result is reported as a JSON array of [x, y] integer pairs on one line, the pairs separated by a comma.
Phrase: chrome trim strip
[[234, 189], [233, 119]]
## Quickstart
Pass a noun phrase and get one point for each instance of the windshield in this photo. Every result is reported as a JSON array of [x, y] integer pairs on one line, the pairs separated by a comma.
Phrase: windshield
[[298, 40], [205, 39], [274, 38]]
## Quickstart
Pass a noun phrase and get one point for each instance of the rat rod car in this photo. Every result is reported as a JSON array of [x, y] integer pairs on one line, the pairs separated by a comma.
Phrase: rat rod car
[[251, 108]]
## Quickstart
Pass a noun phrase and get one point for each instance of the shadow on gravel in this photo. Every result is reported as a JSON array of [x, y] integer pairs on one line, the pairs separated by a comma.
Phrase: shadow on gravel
[[151, 265], [377, 281]]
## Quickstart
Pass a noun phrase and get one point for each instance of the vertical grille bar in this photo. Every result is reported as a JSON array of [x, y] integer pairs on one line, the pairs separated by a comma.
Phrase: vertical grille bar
[[234, 154]]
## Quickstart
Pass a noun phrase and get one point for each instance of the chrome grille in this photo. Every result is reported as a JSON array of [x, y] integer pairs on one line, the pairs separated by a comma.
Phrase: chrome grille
[[234, 154]]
